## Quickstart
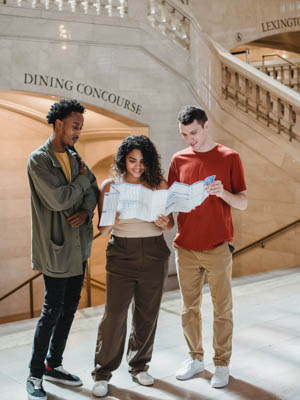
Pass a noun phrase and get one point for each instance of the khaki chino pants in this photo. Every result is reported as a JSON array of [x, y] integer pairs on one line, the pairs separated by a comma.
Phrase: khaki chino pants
[[136, 271], [191, 267]]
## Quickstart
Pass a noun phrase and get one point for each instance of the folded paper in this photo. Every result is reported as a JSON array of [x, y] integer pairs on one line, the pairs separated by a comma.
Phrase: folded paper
[[136, 201]]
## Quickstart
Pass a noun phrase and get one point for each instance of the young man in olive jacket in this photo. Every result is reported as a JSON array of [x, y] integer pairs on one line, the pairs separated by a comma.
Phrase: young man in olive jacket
[[63, 198]]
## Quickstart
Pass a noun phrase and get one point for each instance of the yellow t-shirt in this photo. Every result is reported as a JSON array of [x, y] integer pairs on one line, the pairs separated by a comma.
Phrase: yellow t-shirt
[[64, 160]]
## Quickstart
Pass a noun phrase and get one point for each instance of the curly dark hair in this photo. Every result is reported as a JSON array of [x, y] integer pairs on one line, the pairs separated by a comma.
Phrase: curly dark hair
[[153, 172], [62, 109]]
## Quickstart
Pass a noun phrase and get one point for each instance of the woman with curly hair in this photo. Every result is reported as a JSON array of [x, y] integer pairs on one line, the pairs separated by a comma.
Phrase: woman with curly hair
[[137, 264]]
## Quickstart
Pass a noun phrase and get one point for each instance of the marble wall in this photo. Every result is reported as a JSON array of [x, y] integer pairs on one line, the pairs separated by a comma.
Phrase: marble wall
[[15, 209], [232, 22]]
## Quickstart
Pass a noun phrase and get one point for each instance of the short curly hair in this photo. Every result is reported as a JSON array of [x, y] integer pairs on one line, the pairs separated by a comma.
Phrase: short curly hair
[[62, 109], [153, 172], [188, 114]]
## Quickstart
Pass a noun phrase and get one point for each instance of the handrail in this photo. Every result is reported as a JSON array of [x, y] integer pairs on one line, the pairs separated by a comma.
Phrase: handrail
[[30, 280], [98, 284], [266, 238], [278, 55], [259, 241], [94, 282], [247, 52], [20, 286]]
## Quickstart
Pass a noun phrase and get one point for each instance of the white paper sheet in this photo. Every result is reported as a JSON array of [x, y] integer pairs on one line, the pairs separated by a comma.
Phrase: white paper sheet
[[136, 201], [109, 210]]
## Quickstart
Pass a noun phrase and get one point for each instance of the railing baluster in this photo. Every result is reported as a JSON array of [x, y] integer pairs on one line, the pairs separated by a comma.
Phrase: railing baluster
[[88, 283], [247, 94], [170, 20], [108, 7], [290, 73], [292, 121], [280, 114], [287, 74], [266, 106], [31, 299], [257, 100]]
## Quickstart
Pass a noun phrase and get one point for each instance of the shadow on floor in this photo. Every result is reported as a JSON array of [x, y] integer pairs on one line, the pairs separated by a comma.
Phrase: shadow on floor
[[241, 390], [84, 392], [172, 391], [246, 391]]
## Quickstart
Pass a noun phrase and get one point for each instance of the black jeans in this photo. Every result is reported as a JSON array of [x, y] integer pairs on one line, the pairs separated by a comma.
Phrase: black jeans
[[62, 296]]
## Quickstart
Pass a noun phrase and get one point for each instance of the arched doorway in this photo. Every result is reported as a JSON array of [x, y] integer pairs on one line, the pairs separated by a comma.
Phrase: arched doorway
[[24, 129]]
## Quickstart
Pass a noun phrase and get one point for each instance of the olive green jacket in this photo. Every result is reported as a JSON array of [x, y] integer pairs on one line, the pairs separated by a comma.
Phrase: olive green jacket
[[57, 249]]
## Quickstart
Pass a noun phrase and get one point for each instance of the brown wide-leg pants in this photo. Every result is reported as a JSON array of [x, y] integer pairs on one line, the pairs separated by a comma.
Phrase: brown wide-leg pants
[[136, 271]]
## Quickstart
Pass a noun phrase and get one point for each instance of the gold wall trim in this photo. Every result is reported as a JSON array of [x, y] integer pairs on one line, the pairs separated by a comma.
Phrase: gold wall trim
[[104, 134], [23, 110]]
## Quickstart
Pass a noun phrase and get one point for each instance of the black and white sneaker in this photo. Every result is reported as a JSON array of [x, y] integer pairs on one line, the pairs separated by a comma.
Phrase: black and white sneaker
[[59, 374], [35, 390]]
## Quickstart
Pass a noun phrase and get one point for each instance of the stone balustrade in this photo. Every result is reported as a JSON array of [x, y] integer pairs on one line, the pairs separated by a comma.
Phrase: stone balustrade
[[111, 8], [266, 106], [287, 74], [171, 20]]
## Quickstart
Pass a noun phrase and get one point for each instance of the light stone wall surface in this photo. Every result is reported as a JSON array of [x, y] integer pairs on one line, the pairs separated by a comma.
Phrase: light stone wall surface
[[134, 60], [233, 22], [15, 209]]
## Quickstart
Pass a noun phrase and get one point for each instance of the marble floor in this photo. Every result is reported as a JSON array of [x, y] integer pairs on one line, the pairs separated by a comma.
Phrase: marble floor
[[266, 349]]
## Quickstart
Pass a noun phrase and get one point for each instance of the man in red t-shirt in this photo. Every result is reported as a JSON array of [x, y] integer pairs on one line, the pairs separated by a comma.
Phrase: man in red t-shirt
[[203, 241]]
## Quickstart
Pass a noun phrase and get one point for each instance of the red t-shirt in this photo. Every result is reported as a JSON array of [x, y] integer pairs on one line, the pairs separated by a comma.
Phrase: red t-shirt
[[209, 224]]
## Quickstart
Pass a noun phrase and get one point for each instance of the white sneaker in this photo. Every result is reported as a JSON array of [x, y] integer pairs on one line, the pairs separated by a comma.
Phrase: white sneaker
[[100, 389], [189, 369], [144, 378], [221, 377]]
